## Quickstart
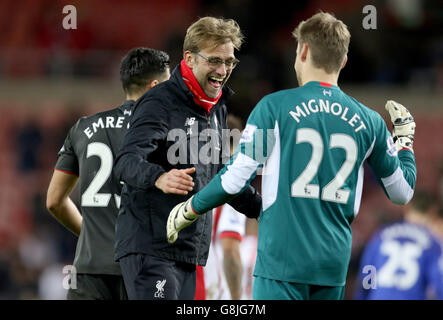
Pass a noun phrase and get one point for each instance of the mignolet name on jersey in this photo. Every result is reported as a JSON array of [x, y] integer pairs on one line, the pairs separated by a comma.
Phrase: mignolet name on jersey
[[334, 108]]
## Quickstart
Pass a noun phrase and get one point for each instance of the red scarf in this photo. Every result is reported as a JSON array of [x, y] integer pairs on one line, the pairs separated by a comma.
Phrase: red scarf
[[200, 96]]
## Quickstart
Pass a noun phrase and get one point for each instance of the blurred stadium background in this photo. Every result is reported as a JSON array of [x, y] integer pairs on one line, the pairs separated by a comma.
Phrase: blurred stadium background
[[50, 76]]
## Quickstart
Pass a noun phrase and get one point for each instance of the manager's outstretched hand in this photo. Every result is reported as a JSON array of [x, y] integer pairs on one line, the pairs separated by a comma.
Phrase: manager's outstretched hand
[[181, 216], [177, 181], [404, 125]]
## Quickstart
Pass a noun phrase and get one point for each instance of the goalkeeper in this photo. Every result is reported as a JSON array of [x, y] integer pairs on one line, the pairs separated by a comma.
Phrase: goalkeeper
[[311, 143]]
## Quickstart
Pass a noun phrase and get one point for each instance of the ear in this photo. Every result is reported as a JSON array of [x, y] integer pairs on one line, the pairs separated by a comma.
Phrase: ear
[[189, 59], [344, 61], [304, 52], [152, 84]]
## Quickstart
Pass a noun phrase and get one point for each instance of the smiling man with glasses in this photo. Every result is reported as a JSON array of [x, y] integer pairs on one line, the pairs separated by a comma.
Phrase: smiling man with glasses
[[214, 68], [192, 101], [220, 69]]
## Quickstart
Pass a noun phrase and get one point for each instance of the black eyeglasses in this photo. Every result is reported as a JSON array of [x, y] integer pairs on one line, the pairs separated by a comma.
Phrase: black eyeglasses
[[217, 62]]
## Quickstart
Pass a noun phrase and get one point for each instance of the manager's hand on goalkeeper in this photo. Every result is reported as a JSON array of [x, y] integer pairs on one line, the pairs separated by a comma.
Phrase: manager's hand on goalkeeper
[[404, 125], [181, 216]]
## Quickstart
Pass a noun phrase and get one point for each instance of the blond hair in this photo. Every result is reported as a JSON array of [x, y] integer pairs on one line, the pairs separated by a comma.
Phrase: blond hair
[[328, 39], [210, 31]]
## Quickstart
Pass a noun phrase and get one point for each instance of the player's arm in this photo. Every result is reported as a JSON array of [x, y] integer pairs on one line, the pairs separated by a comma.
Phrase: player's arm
[[231, 228], [393, 159], [233, 179], [249, 201], [232, 183], [232, 265], [148, 128], [224, 187], [60, 205]]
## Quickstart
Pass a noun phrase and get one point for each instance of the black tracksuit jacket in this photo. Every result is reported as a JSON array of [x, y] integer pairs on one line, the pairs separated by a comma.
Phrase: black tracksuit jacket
[[143, 157]]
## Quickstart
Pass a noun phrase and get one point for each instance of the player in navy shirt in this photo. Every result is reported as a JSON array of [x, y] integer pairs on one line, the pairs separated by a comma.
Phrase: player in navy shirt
[[86, 158], [403, 261]]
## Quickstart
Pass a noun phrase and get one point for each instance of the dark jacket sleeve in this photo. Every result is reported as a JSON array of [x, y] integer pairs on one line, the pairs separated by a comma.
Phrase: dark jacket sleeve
[[248, 202], [148, 127]]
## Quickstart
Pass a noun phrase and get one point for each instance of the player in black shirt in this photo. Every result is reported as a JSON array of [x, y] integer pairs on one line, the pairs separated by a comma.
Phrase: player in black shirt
[[87, 157]]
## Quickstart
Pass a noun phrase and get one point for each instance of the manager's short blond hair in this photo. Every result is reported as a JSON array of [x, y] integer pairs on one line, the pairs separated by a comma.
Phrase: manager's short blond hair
[[328, 39], [211, 32]]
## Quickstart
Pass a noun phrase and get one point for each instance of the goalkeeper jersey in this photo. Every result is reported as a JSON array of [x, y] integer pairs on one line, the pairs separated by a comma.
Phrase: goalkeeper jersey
[[310, 144]]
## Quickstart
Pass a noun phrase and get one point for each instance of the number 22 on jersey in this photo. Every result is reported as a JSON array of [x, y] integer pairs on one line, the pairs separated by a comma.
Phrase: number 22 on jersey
[[301, 187]]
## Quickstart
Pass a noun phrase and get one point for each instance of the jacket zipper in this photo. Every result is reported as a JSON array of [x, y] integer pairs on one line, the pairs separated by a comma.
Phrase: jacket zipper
[[208, 172]]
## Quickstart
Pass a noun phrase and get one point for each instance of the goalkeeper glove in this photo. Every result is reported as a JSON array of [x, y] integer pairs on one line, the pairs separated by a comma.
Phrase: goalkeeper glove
[[181, 216], [404, 125]]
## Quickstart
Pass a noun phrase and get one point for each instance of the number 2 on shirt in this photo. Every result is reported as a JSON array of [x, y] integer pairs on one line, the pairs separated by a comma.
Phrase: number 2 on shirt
[[91, 197]]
